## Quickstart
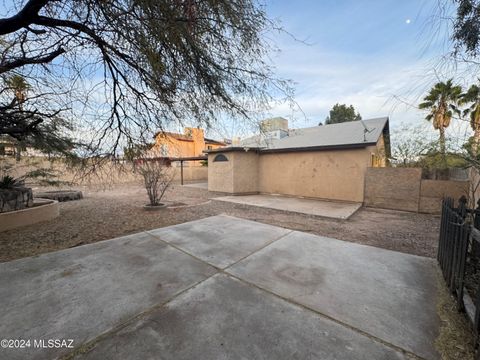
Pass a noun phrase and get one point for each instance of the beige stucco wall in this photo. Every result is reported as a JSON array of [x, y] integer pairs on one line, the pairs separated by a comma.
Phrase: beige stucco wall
[[238, 175], [336, 175], [220, 174], [245, 172]]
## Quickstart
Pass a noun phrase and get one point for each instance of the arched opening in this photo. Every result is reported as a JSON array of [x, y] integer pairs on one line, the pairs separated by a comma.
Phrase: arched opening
[[220, 157]]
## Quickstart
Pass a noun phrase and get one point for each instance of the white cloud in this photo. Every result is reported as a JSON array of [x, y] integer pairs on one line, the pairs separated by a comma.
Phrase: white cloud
[[385, 84]]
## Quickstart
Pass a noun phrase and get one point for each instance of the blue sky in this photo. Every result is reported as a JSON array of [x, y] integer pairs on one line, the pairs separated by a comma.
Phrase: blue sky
[[365, 53], [377, 55]]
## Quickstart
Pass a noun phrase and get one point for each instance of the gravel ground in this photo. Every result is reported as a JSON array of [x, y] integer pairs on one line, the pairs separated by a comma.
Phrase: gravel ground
[[115, 212]]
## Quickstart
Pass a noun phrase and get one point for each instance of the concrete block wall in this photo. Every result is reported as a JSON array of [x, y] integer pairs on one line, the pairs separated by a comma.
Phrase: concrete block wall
[[192, 173], [433, 191], [393, 188], [108, 174], [404, 189]]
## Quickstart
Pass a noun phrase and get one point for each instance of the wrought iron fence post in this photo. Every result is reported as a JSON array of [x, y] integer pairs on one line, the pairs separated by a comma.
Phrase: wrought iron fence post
[[457, 240]]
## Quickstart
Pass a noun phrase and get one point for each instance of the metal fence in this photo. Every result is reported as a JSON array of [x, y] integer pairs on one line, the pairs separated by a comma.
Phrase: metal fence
[[459, 255]]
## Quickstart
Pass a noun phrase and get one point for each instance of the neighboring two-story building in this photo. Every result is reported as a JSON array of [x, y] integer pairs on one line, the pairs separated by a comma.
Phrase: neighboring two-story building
[[192, 143]]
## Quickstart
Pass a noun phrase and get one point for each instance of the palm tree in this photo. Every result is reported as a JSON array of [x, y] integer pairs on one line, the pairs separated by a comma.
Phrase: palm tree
[[442, 102], [19, 86], [472, 97]]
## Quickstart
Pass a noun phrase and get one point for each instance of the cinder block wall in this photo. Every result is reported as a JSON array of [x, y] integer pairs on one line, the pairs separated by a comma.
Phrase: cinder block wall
[[192, 173], [393, 188], [404, 189], [433, 191], [108, 174]]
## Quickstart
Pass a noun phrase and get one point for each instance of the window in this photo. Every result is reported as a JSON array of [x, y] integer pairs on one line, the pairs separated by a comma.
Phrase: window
[[209, 147], [220, 157]]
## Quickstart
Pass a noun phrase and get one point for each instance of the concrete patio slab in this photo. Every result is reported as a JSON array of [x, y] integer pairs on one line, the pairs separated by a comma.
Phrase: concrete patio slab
[[289, 295], [200, 185], [223, 318], [330, 209], [82, 292], [389, 295], [220, 240]]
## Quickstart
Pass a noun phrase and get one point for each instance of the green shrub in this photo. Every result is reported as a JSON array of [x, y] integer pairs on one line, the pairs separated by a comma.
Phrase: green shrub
[[9, 182]]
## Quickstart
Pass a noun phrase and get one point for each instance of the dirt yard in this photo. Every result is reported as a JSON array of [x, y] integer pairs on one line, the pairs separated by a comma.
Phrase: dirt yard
[[105, 214]]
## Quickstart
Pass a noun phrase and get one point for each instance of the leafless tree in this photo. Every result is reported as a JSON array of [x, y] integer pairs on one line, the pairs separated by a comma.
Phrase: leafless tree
[[121, 69], [157, 177]]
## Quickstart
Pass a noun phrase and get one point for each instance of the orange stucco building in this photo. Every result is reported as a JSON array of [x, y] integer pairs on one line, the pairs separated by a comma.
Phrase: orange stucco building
[[189, 144]]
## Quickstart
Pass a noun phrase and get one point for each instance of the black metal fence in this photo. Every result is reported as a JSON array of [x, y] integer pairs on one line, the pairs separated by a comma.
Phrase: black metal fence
[[459, 256]]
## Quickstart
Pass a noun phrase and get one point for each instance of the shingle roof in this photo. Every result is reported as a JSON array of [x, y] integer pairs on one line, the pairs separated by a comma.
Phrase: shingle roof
[[348, 133]]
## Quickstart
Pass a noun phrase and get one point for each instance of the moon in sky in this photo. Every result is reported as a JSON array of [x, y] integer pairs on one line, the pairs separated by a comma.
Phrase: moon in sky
[[408, 21]]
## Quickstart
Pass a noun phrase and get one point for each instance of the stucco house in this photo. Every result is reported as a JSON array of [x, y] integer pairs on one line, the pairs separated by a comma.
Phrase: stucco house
[[192, 143], [327, 162]]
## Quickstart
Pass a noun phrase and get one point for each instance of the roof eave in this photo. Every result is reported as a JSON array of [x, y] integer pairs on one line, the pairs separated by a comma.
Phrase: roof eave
[[320, 148]]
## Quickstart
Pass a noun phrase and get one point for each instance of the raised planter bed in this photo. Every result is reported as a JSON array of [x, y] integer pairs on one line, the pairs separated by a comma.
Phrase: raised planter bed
[[149, 207], [42, 210], [16, 198], [60, 195]]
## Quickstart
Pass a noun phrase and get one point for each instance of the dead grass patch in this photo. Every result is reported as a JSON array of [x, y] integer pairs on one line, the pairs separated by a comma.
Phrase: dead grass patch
[[455, 340]]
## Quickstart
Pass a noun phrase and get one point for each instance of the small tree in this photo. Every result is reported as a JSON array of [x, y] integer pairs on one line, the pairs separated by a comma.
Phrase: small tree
[[157, 178]]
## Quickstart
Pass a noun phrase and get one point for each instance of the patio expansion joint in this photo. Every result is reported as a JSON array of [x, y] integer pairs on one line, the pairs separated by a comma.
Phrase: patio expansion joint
[[224, 271], [409, 354], [259, 249], [214, 266], [89, 345]]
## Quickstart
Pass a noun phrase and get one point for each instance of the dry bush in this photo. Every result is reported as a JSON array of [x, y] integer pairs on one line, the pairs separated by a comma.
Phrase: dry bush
[[157, 177]]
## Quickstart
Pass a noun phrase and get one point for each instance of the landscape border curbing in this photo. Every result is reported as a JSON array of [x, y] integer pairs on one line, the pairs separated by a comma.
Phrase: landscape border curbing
[[42, 210], [60, 195]]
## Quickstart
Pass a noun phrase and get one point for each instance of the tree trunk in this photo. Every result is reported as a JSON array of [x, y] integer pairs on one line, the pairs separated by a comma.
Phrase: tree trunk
[[18, 150], [476, 141], [442, 147]]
